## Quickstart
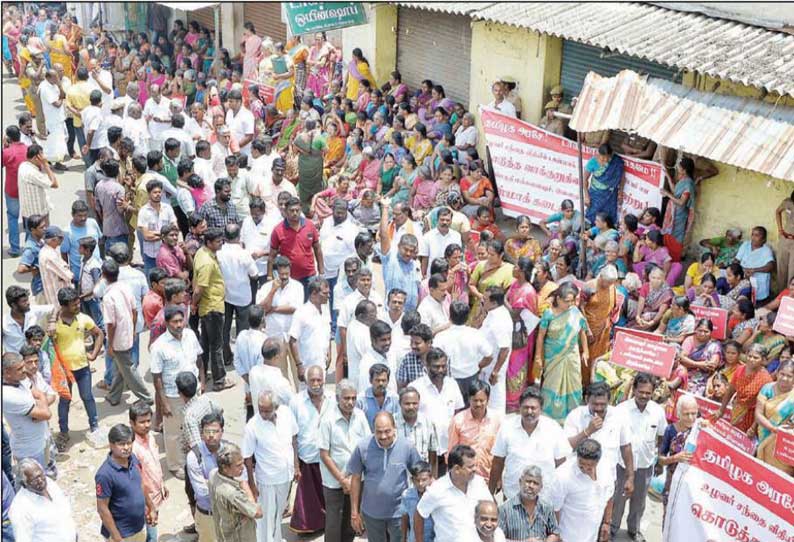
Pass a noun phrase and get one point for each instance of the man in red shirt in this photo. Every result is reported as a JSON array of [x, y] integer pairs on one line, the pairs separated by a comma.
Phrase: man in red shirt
[[298, 240], [14, 153]]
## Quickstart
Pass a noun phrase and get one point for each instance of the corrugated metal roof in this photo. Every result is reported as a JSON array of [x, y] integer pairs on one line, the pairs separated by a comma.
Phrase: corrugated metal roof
[[743, 132], [735, 51], [455, 8]]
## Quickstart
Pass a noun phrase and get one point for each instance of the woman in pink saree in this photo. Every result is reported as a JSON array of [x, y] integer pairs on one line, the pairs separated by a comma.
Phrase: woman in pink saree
[[251, 43], [320, 65], [154, 77], [521, 296]]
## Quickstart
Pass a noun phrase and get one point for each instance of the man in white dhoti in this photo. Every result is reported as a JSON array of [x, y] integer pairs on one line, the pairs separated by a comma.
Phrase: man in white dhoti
[[52, 98]]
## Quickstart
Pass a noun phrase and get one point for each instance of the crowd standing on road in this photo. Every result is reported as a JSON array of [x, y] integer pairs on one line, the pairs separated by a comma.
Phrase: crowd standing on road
[[474, 398]]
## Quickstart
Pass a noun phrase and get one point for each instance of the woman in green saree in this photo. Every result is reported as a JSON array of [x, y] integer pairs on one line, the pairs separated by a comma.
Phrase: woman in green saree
[[310, 146], [773, 411], [561, 351], [493, 271]]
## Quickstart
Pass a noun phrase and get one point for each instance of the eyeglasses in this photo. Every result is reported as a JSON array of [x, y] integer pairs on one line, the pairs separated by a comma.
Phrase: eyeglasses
[[210, 432]]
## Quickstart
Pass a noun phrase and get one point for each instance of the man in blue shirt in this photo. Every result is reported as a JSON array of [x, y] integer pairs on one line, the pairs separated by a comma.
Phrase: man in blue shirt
[[29, 261], [80, 226], [123, 506], [377, 397], [400, 268], [384, 459]]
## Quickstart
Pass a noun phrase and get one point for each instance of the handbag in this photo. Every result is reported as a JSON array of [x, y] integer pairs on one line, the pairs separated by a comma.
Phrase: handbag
[[519, 335]]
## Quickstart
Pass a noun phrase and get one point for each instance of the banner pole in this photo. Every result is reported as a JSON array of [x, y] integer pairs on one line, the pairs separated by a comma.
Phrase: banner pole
[[582, 244]]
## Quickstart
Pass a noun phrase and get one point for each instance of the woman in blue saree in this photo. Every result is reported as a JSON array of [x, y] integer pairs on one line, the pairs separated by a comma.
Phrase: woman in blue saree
[[605, 184]]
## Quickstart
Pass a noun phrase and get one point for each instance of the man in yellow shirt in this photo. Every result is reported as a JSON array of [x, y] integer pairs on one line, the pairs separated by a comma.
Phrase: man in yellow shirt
[[209, 292], [77, 99], [69, 340]]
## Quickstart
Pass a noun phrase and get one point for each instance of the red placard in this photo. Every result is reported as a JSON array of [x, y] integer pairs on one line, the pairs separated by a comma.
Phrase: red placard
[[735, 436], [266, 92], [647, 335], [718, 317], [644, 355], [784, 447], [706, 407], [784, 322]]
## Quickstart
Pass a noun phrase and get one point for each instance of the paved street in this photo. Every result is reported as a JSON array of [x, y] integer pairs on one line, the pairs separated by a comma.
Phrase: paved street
[[78, 464]]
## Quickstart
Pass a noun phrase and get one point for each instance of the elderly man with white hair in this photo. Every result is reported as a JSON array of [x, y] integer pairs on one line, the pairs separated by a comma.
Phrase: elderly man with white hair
[[272, 438], [157, 112], [40, 510], [527, 516], [136, 128]]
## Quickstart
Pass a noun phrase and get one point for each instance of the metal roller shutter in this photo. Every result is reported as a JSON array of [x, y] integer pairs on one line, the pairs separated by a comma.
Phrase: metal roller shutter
[[266, 17], [204, 16], [435, 46], [578, 59]]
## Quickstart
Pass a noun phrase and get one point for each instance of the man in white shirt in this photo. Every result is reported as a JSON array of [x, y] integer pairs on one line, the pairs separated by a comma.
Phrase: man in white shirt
[[337, 238], [358, 340], [500, 102], [281, 298], [244, 187], [525, 440], [241, 122], [151, 219], [498, 330], [248, 352], [40, 510], [202, 165], [434, 308], [402, 223], [310, 331], [440, 398], [157, 113], [379, 352], [647, 421], [272, 438], [486, 522], [451, 500], [261, 162], [278, 185], [236, 263], [348, 305], [102, 80], [94, 127], [178, 132], [267, 375], [466, 347], [135, 126], [175, 351], [50, 92], [309, 407], [220, 150], [255, 235], [580, 496], [130, 97], [435, 242], [609, 427]]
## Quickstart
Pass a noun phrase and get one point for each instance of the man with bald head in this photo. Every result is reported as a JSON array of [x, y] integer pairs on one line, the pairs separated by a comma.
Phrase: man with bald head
[[40, 510], [486, 521], [272, 438], [268, 376], [376, 458], [157, 113]]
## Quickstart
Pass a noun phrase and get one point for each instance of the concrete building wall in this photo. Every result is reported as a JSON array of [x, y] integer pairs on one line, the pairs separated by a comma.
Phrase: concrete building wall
[[377, 40]]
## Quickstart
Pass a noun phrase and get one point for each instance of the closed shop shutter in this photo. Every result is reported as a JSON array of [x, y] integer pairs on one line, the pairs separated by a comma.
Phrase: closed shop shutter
[[435, 46], [266, 17], [204, 16], [578, 59]]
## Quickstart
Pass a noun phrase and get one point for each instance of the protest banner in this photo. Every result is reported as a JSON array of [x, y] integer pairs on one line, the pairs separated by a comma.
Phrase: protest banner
[[718, 317], [535, 170], [647, 335], [640, 354], [706, 407], [784, 322], [734, 435], [266, 93], [784, 447], [724, 495]]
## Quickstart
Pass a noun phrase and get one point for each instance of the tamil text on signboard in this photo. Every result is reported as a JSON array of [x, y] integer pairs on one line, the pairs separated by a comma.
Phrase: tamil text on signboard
[[718, 317], [643, 355], [784, 322], [308, 17]]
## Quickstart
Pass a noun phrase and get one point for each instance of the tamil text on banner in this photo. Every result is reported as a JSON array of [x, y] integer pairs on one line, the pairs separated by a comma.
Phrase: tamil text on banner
[[643, 355], [536, 170], [735, 436], [784, 447], [309, 17], [647, 335], [725, 495], [784, 322], [718, 317], [266, 92], [706, 407]]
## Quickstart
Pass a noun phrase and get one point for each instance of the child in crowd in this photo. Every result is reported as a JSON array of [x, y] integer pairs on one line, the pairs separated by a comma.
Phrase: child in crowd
[[34, 336], [421, 478]]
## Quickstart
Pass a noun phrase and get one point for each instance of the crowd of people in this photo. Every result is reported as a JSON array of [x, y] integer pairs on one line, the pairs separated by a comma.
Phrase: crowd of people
[[279, 223]]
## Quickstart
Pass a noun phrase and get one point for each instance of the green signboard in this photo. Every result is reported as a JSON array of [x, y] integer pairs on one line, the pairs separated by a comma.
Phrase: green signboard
[[308, 17]]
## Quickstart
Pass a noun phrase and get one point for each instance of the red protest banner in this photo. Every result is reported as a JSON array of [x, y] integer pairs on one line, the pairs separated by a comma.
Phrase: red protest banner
[[734, 435], [643, 355], [647, 335], [706, 407], [784, 447], [266, 92], [784, 322], [718, 317]]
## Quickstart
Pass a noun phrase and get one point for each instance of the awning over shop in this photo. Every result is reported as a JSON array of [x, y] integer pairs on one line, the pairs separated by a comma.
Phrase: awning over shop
[[743, 132], [189, 6]]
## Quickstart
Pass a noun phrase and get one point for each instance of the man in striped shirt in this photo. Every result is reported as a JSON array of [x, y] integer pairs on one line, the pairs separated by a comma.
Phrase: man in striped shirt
[[526, 516]]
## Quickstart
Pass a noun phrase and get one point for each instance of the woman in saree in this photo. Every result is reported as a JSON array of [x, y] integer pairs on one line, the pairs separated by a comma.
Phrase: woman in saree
[[423, 96], [769, 339], [59, 50], [11, 34], [438, 98], [680, 213], [290, 129], [562, 351], [521, 244], [563, 270], [419, 145], [493, 271], [445, 185], [154, 77], [335, 154], [74, 36], [401, 192], [386, 176], [310, 147], [354, 156], [653, 251], [745, 385], [742, 321], [250, 44], [458, 273], [655, 298], [282, 77], [610, 256], [357, 70], [397, 88], [520, 297], [600, 305], [544, 285], [368, 170], [476, 189], [679, 323], [628, 239], [319, 65], [322, 202], [423, 193], [194, 33], [695, 273], [734, 287], [774, 410], [25, 58], [671, 452], [299, 53], [604, 183]]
